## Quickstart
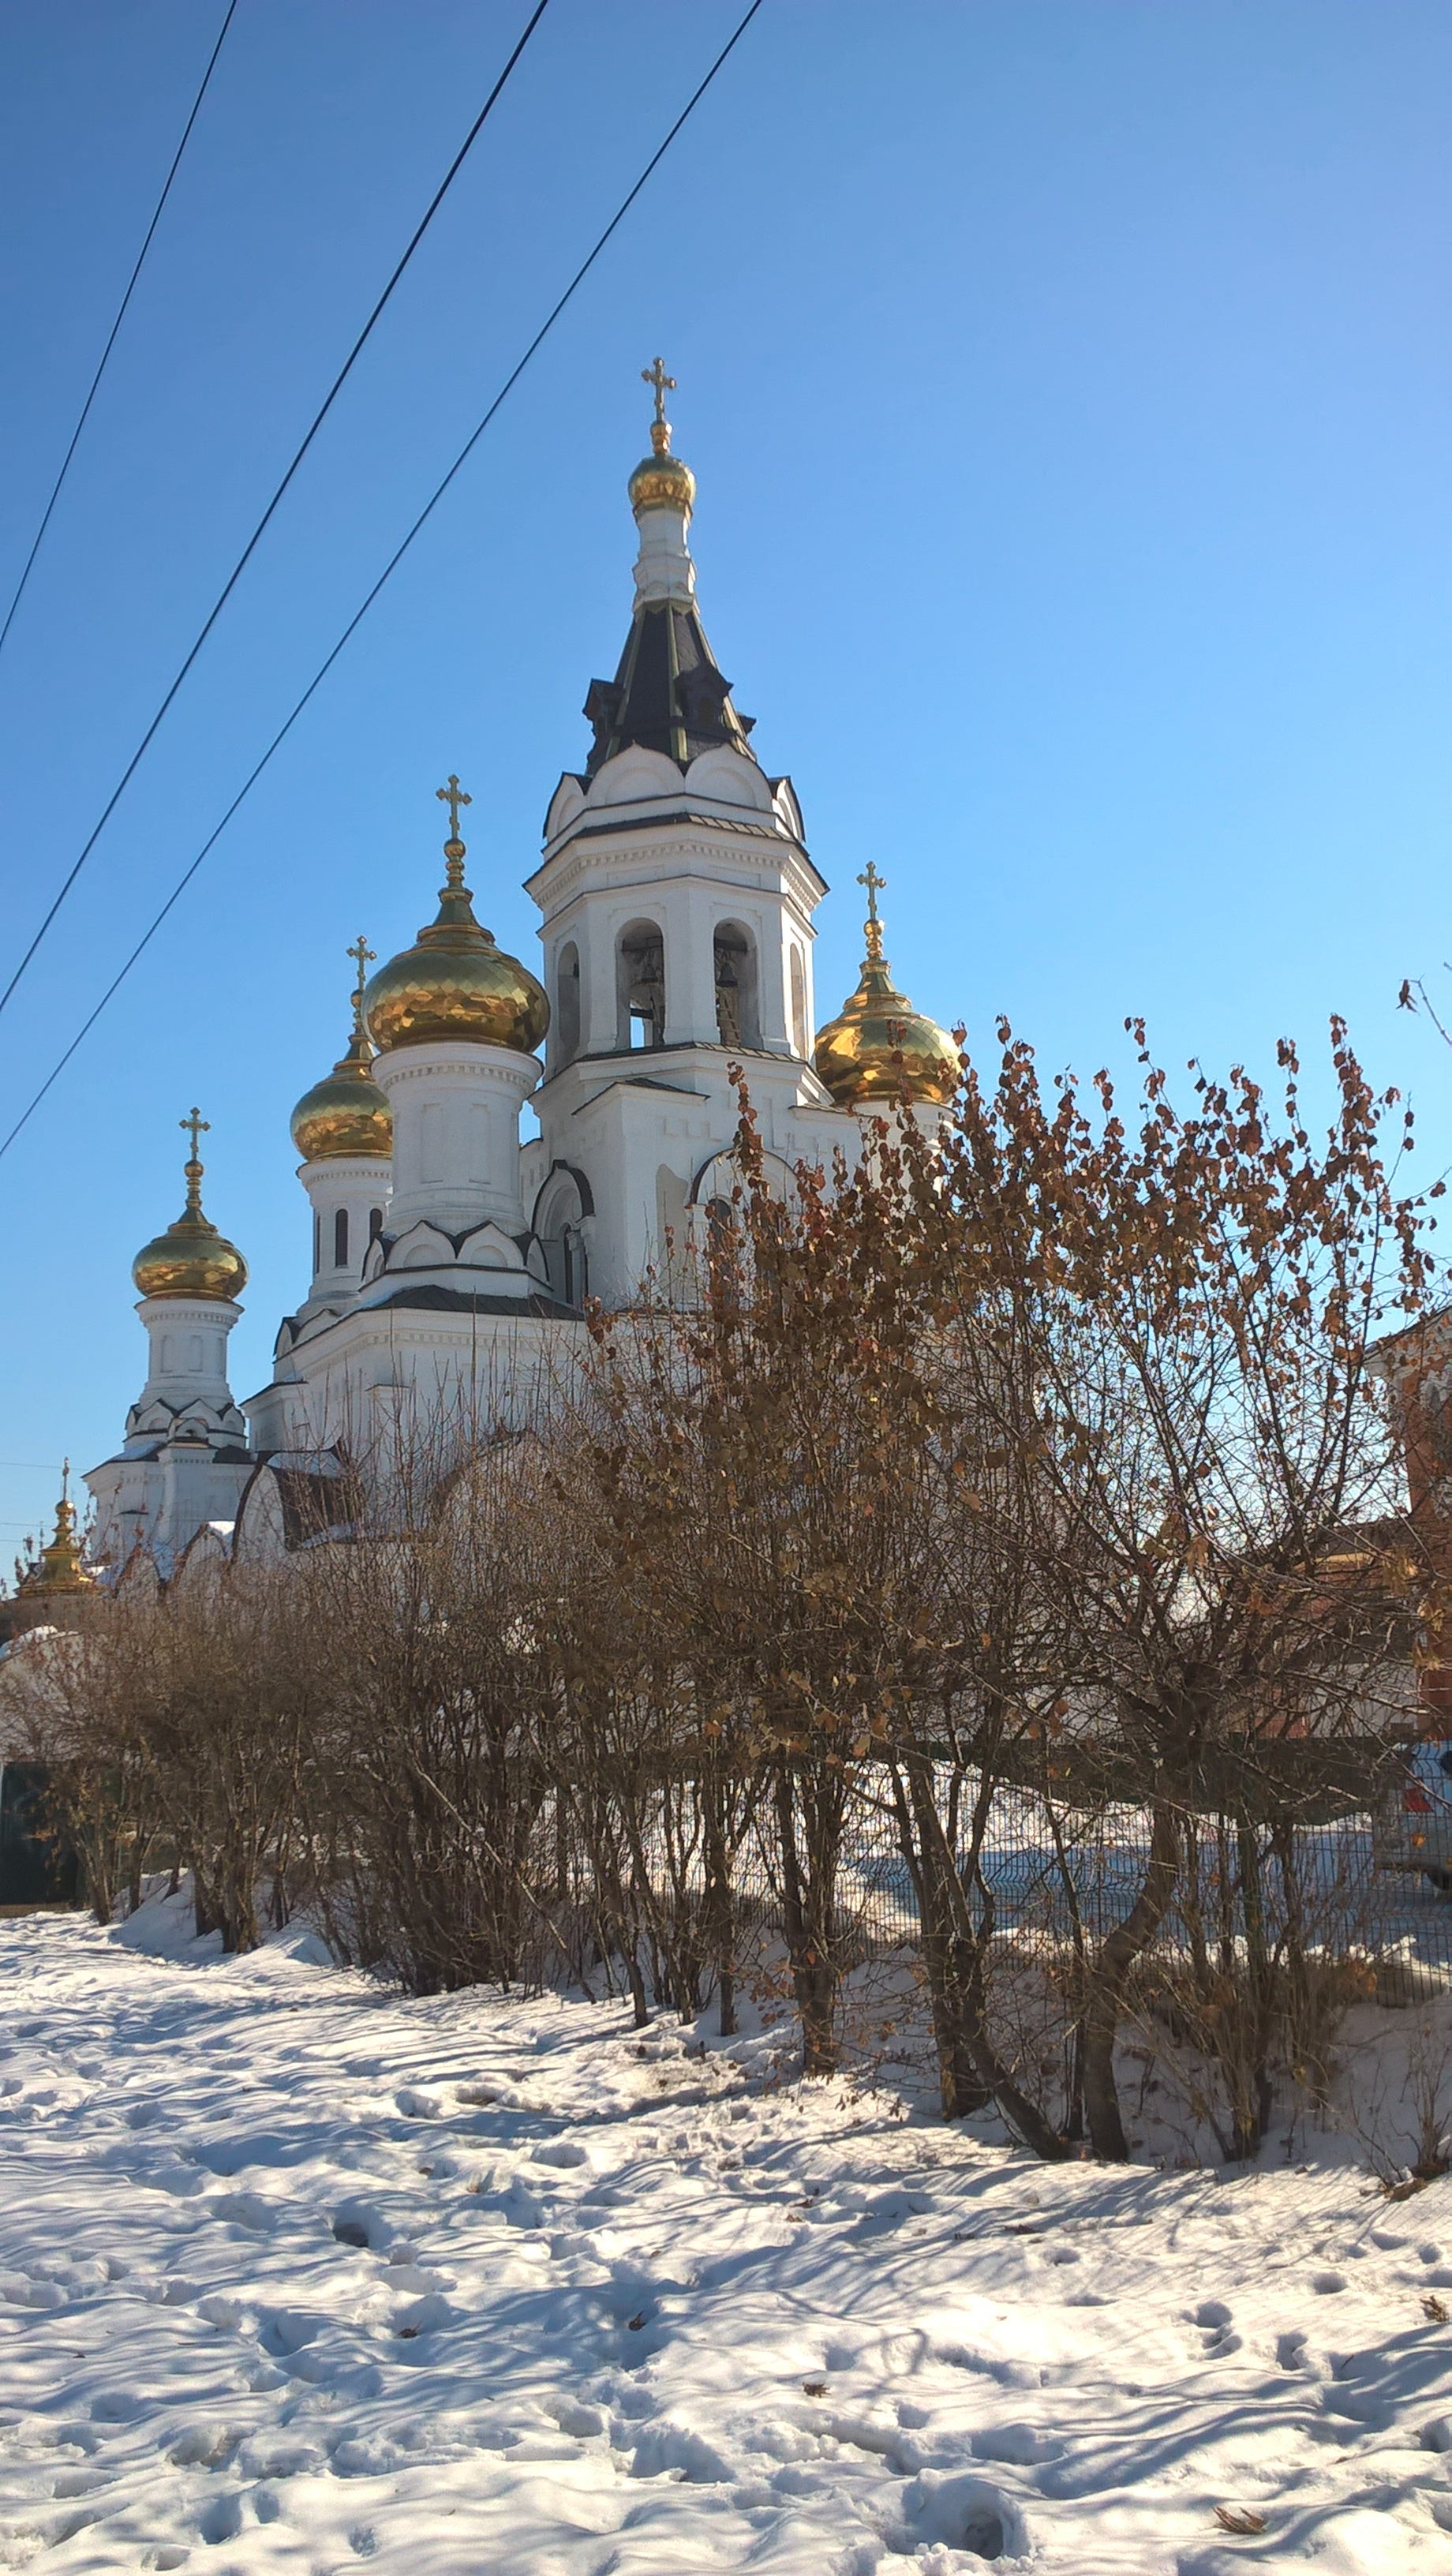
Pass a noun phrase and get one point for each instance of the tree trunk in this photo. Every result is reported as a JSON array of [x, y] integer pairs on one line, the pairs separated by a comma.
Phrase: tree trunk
[[1104, 2001], [971, 2071], [806, 1915], [718, 1911]]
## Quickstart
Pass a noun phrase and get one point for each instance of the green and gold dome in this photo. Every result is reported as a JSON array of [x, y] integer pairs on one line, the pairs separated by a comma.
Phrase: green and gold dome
[[191, 1259], [455, 983], [346, 1114], [879, 1048]]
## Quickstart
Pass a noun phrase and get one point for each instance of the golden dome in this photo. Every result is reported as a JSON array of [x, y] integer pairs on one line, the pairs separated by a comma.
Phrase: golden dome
[[879, 1047], [454, 983], [191, 1259], [661, 480], [61, 1567], [346, 1113]]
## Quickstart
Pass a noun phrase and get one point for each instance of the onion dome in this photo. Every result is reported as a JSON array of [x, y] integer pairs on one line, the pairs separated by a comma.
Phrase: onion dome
[[879, 1047], [454, 983], [191, 1259], [346, 1113], [661, 481], [61, 1567]]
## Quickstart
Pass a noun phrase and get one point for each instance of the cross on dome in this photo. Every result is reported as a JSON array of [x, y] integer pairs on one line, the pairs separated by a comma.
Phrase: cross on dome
[[195, 1125], [454, 796], [364, 957], [655, 374], [872, 926], [660, 428]]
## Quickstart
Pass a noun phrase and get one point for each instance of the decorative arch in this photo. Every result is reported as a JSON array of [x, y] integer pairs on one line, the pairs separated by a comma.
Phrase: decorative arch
[[719, 1176]]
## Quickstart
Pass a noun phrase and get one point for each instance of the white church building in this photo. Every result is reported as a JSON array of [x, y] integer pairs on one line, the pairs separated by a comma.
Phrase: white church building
[[450, 1260]]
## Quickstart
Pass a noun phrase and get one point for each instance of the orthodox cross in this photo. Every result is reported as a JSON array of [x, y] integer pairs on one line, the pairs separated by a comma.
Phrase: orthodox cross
[[664, 384], [872, 926], [365, 956], [453, 796], [195, 1126]]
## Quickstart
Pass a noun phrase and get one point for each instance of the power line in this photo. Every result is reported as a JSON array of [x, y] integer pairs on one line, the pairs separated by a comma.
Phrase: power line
[[115, 327], [255, 539], [395, 559]]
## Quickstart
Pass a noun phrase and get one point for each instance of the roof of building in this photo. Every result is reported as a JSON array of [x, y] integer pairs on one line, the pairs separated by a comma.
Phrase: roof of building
[[668, 693]]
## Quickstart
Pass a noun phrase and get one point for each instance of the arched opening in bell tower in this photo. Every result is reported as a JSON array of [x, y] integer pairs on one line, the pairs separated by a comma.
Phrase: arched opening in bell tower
[[642, 986], [738, 1016]]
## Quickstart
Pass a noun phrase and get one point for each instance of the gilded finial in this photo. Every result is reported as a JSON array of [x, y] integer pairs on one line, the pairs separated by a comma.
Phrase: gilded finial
[[454, 796], [660, 428], [872, 926], [364, 956], [195, 1125]]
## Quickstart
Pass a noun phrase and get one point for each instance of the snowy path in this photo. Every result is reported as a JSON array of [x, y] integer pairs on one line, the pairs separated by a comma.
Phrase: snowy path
[[295, 2275]]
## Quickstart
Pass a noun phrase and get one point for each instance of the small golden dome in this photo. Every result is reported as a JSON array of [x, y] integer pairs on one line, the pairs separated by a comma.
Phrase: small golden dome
[[61, 1567], [346, 1113], [660, 480], [879, 1047], [454, 983], [191, 1259]]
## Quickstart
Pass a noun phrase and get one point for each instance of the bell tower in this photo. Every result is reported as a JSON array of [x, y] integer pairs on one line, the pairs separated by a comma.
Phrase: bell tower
[[677, 897]]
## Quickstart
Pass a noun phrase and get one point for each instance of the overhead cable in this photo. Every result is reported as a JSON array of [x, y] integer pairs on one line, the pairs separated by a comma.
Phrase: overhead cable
[[115, 327], [255, 539], [395, 559]]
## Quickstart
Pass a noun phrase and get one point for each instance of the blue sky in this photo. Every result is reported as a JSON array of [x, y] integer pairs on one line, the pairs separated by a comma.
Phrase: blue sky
[[1069, 389]]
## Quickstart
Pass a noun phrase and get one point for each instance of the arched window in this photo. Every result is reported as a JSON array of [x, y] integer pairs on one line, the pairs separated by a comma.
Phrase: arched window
[[340, 1239], [375, 1224], [317, 1243], [567, 1004], [642, 986], [799, 1002], [558, 1221], [738, 1020]]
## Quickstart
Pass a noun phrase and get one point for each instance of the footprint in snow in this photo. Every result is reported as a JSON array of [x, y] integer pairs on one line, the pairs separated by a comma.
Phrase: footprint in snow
[[1217, 2325], [222, 2520], [1291, 2349]]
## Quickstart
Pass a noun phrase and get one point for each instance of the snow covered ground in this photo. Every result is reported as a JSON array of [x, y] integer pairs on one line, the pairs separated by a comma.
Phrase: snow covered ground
[[298, 2275]]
